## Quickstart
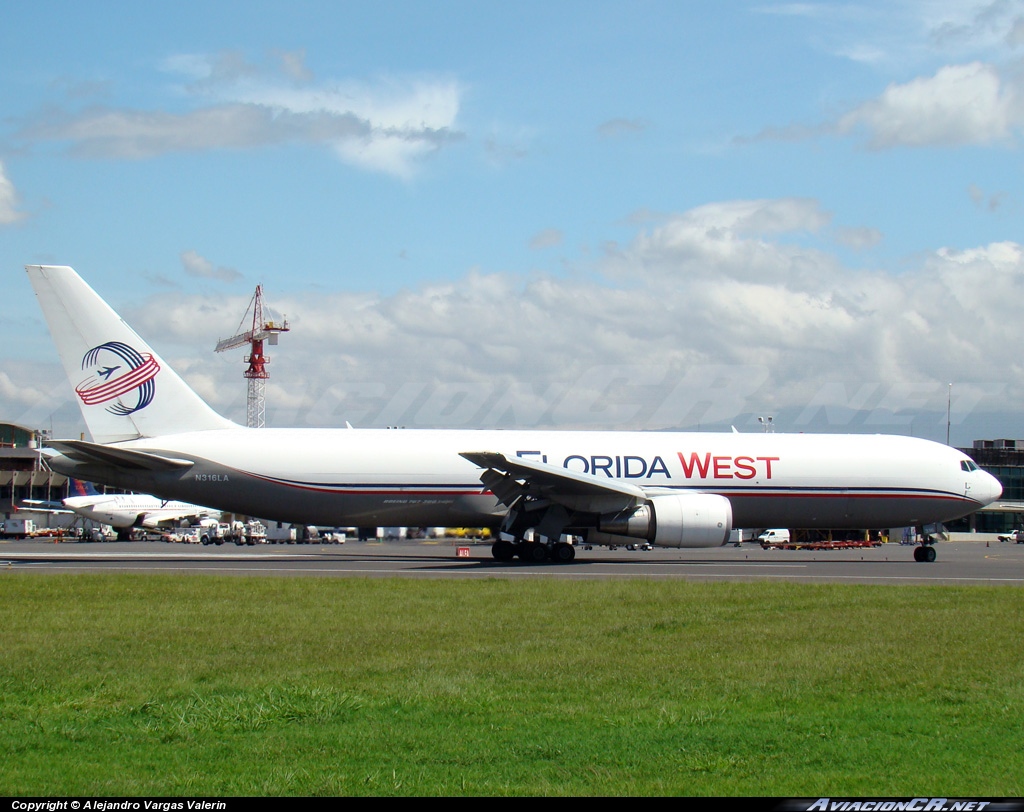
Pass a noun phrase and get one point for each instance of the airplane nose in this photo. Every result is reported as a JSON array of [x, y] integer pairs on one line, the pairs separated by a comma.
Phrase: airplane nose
[[991, 488]]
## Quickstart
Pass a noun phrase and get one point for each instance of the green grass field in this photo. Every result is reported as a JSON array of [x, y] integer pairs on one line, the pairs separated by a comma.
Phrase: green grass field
[[207, 685]]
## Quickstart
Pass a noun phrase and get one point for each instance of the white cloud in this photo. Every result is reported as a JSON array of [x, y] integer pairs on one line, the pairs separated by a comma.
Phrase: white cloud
[[712, 313], [136, 134], [960, 104], [716, 311], [908, 33], [858, 239], [198, 266], [984, 27], [386, 126], [724, 238], [10, 391], [1015, 36], [8, 200]]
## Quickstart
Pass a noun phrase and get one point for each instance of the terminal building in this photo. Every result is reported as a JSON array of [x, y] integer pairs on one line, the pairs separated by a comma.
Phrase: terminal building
[[23, 471]]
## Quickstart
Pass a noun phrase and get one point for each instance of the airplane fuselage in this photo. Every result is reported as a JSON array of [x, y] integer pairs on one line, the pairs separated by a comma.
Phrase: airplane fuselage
[[338, 477], [128, 510]]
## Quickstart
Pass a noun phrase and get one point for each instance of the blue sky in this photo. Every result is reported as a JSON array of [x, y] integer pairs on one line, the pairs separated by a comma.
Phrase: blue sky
[[579, 214]]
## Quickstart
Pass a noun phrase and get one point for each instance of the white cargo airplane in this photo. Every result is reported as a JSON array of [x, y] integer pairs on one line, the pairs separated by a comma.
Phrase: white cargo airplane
[[152, 433]]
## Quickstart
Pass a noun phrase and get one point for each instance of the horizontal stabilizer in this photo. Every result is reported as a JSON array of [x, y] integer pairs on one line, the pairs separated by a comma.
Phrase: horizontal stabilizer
[[85, 452]]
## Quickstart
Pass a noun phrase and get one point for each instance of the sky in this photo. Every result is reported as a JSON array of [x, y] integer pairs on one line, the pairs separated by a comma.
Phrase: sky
[[600, 215]]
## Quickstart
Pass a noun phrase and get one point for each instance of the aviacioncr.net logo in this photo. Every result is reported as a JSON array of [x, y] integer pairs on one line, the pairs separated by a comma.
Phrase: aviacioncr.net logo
[[120, 375]]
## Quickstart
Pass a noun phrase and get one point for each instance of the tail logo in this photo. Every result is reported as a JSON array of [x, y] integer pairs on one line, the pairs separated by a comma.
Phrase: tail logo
[[121, 374]]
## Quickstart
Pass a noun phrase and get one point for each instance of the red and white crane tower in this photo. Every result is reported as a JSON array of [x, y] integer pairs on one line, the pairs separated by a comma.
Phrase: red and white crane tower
[[257, 375]]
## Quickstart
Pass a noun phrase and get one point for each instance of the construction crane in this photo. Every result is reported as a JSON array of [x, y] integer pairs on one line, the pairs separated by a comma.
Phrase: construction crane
[[256, 374]]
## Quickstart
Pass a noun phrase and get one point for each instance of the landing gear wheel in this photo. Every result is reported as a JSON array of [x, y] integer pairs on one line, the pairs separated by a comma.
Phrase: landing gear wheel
[[533, 553], [924, 554], [503, 550], [563, 553]]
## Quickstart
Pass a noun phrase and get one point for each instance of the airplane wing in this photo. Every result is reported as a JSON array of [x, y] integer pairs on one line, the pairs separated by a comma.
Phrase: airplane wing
[[42, 506], [510, 479], [165, 517], [553, 500], [86, 452]]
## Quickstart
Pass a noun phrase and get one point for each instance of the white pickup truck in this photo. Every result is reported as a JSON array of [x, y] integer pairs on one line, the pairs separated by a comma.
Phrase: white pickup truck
[[1014, 535]]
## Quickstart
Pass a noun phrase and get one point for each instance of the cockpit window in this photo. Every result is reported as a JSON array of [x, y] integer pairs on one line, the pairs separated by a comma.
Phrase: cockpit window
[[968, 465]]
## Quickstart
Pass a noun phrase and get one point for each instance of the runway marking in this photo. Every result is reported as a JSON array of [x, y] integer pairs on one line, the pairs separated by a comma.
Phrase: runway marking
[[514, 572], [431, 561]]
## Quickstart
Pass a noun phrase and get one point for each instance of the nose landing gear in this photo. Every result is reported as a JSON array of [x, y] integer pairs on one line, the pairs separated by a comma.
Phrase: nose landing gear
[[924, 552]]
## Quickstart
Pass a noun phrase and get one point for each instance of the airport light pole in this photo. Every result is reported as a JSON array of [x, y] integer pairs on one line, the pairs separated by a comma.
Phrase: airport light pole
[[949, 403]]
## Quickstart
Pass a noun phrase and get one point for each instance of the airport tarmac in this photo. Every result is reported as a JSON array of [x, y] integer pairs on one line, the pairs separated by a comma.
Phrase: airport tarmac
[[960, 563]]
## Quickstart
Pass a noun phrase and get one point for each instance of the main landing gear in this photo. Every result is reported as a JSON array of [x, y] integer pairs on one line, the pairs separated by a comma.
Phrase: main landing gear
[[533, 552]]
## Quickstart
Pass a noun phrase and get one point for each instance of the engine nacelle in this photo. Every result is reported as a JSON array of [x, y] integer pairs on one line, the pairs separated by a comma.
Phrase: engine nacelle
[[675, 520]]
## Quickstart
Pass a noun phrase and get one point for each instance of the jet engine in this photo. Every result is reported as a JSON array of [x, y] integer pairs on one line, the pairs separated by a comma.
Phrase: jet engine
[[672, 520]]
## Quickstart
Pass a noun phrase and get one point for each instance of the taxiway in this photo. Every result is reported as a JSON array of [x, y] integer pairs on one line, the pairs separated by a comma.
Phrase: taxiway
[[959, 563]]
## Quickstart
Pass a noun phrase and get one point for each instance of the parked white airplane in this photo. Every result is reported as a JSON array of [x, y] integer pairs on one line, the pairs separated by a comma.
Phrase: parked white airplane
[[152, 433], [123, 510]]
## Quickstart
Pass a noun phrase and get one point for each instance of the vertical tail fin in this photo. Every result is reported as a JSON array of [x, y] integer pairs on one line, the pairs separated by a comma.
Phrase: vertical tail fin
[[79, 487], [124, 389]]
